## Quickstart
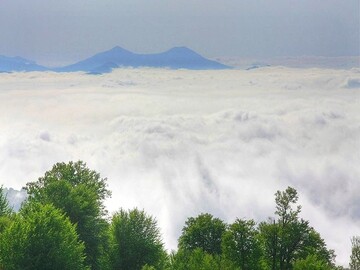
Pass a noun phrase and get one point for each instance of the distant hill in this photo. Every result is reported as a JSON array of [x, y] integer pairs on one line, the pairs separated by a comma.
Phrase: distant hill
[[175, 58], [104, 62], [9, 64], [105, 68]]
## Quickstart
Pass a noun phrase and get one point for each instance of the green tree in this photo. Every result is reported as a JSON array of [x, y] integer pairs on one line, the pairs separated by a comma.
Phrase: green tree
[[241, 245], [311, 262], [290, 238], [198, 259], [355, 253], [284, 205], [314, 245], [136, 241], [5, 222], [5, 209], [41, 237], [147, 267], [203, 232], [269, 233], [80, 193]]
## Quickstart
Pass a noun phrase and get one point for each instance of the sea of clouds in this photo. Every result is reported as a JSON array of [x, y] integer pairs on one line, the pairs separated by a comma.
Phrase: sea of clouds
[[178, 143]]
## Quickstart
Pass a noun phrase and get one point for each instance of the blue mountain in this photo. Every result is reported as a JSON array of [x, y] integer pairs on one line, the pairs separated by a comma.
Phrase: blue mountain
[[175, 58], [115, 56], [105, 68], [9, 64]]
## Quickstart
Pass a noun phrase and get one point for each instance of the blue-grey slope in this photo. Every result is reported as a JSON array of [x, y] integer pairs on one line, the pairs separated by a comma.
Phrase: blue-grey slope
[[95, 63], [175, 58], [10, 64], [180, 57]]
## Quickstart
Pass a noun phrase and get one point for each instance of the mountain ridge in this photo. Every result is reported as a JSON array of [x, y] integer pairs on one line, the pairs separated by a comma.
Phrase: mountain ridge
[[18, 64], [180, 57], [174, 58]]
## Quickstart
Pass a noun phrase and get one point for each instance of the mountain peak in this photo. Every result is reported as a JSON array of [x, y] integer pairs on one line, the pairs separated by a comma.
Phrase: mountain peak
[[17, 63], [181, 49], [118, 49], [175, 58]]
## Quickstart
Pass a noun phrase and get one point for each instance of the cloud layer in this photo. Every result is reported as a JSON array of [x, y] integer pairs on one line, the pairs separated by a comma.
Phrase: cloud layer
[[178, 143]]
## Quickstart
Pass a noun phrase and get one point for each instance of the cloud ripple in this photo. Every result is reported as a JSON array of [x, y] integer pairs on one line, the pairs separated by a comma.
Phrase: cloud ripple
[[178, 143]]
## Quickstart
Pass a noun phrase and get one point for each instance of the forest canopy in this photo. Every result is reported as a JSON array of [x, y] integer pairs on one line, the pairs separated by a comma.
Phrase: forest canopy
[[63, 224]]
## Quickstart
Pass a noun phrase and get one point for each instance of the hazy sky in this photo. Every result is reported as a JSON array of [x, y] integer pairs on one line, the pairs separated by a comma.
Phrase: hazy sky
[[52, 31]]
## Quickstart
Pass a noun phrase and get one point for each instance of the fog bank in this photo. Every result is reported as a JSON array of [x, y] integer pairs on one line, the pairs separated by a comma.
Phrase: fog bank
[[178, 143]]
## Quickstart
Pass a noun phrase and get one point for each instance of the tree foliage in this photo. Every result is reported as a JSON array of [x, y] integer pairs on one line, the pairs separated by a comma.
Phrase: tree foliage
[[311, 262], [5, 209], [203, 232], [284, 206], [355, 253], [41, 237], [290, 238], [64, 225], [241, 245], [198, 259], [136, 241], [80, 193]]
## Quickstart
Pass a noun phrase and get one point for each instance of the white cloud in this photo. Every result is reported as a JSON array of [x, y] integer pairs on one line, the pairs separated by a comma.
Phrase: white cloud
[[178, 143]]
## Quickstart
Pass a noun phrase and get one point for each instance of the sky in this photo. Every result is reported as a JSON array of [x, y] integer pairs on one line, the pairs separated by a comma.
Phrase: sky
[[61, 32], [177, 142]]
